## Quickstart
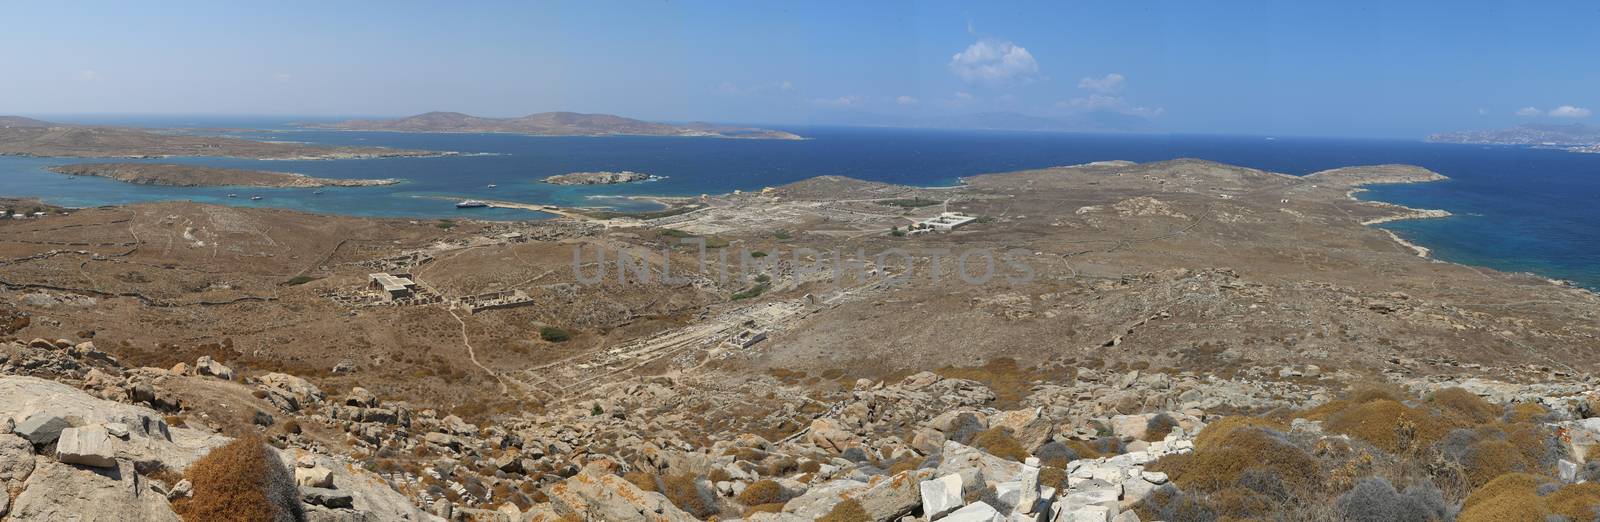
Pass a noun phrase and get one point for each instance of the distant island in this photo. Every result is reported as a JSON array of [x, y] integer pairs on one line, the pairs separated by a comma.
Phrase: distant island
[[29, 137], [1575, 137], [555, 124], [173, 175], [600, 178]]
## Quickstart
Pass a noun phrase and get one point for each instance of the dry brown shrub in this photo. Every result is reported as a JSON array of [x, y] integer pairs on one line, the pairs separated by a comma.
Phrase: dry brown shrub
[[642, 480], [774, 507], [718, 474], [1222, 428], [848, 510], [1513, 496], [1219, 465], [1391, 426], [1324, 410], [1526, 412], [682, 491], [1240, 503], [1466, 404], [1158, 427], [1575, 501], [1488, 459], [1000, 443], [906, 464], [761, 492], [810, 466], [1373, 391], [1053, 477], [241, 481]]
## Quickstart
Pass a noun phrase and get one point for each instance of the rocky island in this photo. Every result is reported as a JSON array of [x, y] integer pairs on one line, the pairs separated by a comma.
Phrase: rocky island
[[1575, 137], [600, 178], [175, 175], [556, 124], [29, 137]]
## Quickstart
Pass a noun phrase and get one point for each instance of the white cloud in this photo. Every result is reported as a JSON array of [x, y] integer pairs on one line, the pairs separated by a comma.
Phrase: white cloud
[[842, 101], [282, 77], [1482, 112], [994, 62], [1568, 111], [733, 89], [1106, 85], [1529, 111], [89, 75], [963, 95], [906, 100], [1101, 102]]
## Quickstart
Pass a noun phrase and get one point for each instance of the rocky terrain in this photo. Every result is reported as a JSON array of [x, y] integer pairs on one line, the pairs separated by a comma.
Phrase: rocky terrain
[[1193, 341], [556, 124], [175, 175], [28, 137], [599, 178]]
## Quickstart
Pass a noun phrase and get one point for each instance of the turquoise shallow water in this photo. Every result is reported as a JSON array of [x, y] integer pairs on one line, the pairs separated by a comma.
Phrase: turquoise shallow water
[[1516, 209]]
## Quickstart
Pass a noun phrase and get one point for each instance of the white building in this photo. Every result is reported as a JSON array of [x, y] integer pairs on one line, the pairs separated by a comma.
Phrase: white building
[[945, 221]]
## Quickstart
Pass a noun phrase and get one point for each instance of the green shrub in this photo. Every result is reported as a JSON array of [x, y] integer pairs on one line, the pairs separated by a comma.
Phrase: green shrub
[[553, 334], [299, 280]]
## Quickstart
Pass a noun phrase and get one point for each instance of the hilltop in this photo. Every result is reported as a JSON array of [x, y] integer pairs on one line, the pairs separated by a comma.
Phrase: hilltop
[[29, 137], [554, 124]]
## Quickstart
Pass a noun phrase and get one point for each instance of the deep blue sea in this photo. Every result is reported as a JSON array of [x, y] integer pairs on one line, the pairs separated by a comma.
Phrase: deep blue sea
[[1517, 209]]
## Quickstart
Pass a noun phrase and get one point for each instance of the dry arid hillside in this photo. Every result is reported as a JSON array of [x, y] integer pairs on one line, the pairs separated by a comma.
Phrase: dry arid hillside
[[1179, 340]]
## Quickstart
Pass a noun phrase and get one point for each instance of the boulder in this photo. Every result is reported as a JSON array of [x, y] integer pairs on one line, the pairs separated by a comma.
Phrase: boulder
[[1029, 426], [827, 434], [16, 461], [88, 446], [315, 477], [327, 498], [819, 500], [594, 495], [940, 496], [1130, 426], [57, 491], [205, 366], [290, 392], [975, 512], [957, 457], [894, 497], [361, 397], [41, 428]]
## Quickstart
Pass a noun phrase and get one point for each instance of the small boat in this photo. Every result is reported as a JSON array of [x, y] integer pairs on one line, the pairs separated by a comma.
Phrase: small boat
[[471, 203], [491, 185], [316, 193], [233, 195], [255, 198]]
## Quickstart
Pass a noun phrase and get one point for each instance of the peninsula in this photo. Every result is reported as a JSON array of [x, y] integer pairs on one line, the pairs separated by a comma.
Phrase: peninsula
[[555, 124], [29, 137], [174, 175], [600, 178]]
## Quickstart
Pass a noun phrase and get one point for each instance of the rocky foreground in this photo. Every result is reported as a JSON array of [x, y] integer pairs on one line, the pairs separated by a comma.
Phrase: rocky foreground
[[85, 437]]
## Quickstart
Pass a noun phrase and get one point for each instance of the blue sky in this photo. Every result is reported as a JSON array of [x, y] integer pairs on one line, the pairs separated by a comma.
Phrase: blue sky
[[1379, 69]]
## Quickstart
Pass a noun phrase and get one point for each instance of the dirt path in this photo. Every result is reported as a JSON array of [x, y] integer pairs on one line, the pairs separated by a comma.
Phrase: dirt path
[[473, 355]]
